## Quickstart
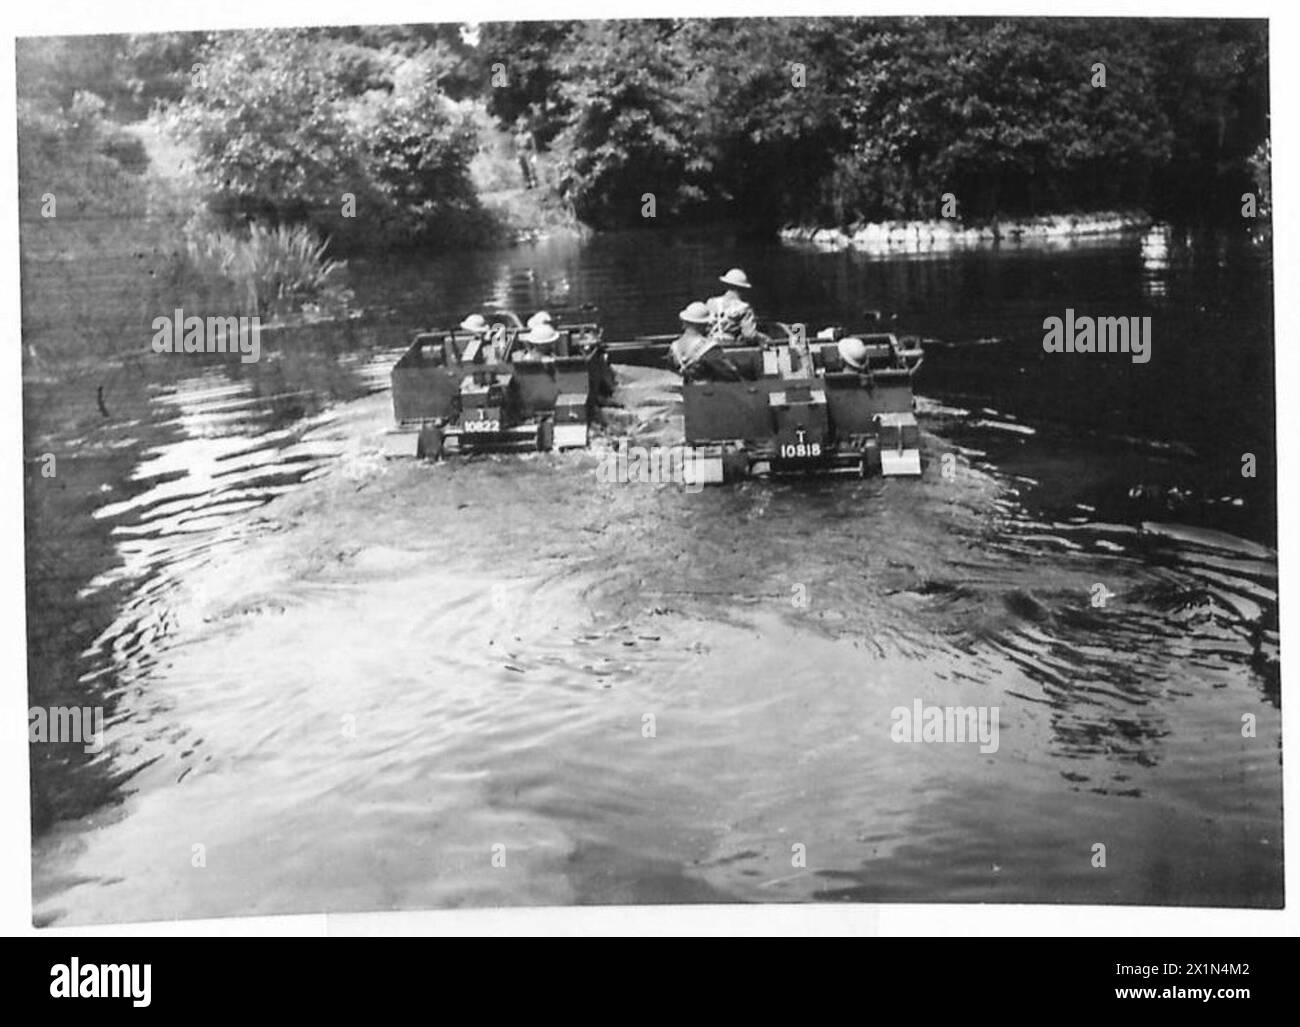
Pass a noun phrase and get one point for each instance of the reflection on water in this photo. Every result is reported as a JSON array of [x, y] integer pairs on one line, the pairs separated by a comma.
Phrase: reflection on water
[[1155, 259], [141, 498], [350, 695]]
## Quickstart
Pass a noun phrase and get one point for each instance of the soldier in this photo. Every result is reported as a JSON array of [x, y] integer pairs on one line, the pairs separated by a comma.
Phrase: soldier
[[854, 353], [733, 317], [696, 356], [540, 341], [482, 346], [526, 150], [475, 324]]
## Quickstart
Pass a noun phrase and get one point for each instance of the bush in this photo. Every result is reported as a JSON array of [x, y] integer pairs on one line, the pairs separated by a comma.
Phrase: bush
[[417, 154], [289, 125], [637, 104], [268, 272], [87, 163], [271, 136]]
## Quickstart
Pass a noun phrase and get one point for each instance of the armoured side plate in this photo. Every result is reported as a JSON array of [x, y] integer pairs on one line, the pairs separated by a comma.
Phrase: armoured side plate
[[570, 436], [899, 453], [894, 462], [399, 442], [704, 466], [571, 421]]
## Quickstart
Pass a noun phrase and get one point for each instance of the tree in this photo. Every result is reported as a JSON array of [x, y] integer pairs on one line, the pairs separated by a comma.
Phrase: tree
[[1214, 90], [418, 149], [636, 102], [299, 126], [1003, 114], [772, 120], [265, 111], [522, 66]]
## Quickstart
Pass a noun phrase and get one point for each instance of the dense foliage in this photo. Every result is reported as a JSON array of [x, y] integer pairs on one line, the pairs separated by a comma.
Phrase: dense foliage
[[844, 120], [771, 121], [360, 143], [87, 163]]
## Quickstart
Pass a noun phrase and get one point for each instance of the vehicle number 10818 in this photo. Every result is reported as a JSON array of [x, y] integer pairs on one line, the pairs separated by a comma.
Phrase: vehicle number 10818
[[798, 450]]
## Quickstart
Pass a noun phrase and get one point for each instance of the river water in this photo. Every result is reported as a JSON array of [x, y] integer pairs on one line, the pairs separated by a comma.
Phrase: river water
[[336, 683]]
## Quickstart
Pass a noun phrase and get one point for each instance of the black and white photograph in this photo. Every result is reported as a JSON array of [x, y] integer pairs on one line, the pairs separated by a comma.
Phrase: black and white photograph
[[652, 461]]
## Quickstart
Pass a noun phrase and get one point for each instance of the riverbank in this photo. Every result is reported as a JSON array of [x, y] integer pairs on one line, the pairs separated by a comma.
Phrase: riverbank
[[521, 214], [517, 214], [941, 234], [105, 267]]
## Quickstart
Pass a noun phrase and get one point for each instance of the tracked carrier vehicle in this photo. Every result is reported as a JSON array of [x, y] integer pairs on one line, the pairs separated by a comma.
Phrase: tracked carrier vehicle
[[800, 408], [455, 392]]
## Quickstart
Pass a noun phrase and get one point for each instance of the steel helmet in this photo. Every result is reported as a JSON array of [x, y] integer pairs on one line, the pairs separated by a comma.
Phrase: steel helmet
[[853, 352], [540, 318], [735, 277], [475, 323], [696, 313], [542, 335]]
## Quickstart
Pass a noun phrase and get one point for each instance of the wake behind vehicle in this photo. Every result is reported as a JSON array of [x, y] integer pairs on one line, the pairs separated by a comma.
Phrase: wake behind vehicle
[[800, 408], [454, 391]]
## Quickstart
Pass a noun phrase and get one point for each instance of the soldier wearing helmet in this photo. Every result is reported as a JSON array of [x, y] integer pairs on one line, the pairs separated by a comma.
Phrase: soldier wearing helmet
[[853, 352], [540, 340], [480, 346], [733, 317], [696, 356]]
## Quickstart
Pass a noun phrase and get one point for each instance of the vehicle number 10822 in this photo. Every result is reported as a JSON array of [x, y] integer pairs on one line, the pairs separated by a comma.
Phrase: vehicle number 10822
[[482, 426], [797, 450]]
